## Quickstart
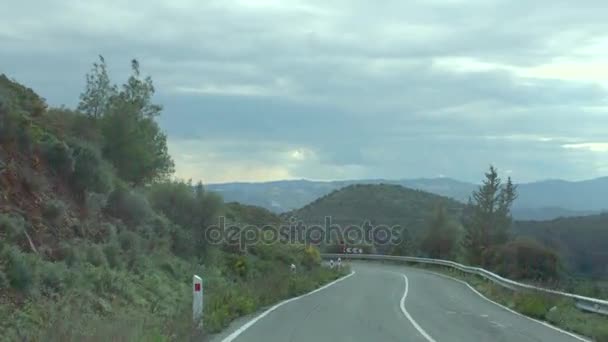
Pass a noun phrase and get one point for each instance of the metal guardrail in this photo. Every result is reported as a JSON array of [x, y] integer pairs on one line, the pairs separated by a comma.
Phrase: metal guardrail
[[589, 304]]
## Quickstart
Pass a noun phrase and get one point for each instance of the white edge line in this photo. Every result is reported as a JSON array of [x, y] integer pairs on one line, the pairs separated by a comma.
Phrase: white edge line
[[580, 338], [407, 314], [247, 325]]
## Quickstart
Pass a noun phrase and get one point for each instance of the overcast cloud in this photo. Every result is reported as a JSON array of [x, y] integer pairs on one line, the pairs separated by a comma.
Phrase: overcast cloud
[[261, 90]]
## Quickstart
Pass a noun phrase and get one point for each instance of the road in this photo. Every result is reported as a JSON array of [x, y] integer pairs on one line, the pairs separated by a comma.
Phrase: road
[[383, 302]]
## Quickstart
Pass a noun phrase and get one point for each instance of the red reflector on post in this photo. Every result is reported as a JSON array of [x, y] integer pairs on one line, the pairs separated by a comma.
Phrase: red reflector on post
[[197, 287]]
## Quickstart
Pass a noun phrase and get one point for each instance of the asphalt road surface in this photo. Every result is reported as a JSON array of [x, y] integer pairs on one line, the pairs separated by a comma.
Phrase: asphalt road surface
[[391, 303]]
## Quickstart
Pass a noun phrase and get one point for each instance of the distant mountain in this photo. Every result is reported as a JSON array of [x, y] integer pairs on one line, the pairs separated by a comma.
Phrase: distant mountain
[[537, 201]]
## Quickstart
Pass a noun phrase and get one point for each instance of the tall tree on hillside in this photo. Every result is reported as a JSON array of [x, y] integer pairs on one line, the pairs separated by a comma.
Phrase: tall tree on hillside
[[441, 237], [138, 92], [487, 217], [99, 91], [133, 141]]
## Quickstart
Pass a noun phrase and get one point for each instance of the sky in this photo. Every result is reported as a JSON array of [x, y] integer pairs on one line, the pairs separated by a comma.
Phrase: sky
[[258, 90]]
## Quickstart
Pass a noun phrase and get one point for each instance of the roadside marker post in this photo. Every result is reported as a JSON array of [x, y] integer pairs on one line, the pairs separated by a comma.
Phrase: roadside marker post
[[197, 299]]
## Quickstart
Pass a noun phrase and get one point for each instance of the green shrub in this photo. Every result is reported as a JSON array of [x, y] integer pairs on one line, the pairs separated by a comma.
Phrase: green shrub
[[107, 231], [13, 226], [71, 254], [129, 206], [113, 255], [533, 305], [4, 282], [52, 276], [94, 203], [183, 243], [54, 211], [95, 256], [129, 241], [19, 271], [58, 155], [311, 257], [91, 173]]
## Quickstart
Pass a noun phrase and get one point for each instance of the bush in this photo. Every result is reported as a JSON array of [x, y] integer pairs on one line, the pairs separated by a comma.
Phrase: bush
[[184, 245], [533, 305], [107, 232], [52, 276], [113, 255], [95, 256], [54, 211], [311, 257], [13, 226], [58, 155], [94, 203], [71, 254], [129, 206], [18, 270], [91, 173], [525, 258], [129, 241], [4, 282]]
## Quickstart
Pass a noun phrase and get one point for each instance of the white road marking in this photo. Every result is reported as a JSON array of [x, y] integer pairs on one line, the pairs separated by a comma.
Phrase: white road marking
[[498, 324], [580, 338], [247, 325], [407, 314]]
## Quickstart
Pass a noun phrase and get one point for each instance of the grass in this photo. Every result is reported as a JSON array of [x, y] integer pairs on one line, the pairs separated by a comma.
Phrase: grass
[[90, 301]]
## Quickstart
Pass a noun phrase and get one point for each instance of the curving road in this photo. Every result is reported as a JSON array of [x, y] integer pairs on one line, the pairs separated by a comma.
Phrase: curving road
[[391, 303]]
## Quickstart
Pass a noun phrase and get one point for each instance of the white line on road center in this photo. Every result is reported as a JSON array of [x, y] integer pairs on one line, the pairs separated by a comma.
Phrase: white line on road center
[[407, 314], [247, 325]]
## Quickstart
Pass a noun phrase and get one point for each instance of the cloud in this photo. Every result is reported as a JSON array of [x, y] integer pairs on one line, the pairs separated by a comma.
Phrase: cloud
[[265, 89], [600, 147]]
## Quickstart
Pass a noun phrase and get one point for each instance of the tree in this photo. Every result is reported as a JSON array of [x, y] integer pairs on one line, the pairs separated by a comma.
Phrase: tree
[[133, 141], [487, 217], [138, 92], [96, 98], [526, 258], [193, 212], [441, 237]]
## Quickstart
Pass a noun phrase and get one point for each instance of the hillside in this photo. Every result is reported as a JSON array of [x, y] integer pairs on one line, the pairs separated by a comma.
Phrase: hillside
[[581, 241], [385, 204], [537, 200]]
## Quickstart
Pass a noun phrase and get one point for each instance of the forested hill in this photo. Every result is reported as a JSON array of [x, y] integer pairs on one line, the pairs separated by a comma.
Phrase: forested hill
[[581, 241], [378, 203]]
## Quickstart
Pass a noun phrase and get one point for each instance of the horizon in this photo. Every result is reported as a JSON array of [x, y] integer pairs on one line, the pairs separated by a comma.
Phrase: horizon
[[399, 179]]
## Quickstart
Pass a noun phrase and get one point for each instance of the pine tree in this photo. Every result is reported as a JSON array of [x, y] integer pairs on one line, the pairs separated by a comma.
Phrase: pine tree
[[96, 98], [487, 217]]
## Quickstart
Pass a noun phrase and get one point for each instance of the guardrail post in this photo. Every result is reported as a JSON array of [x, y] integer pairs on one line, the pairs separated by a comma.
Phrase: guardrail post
[[197, 299]]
